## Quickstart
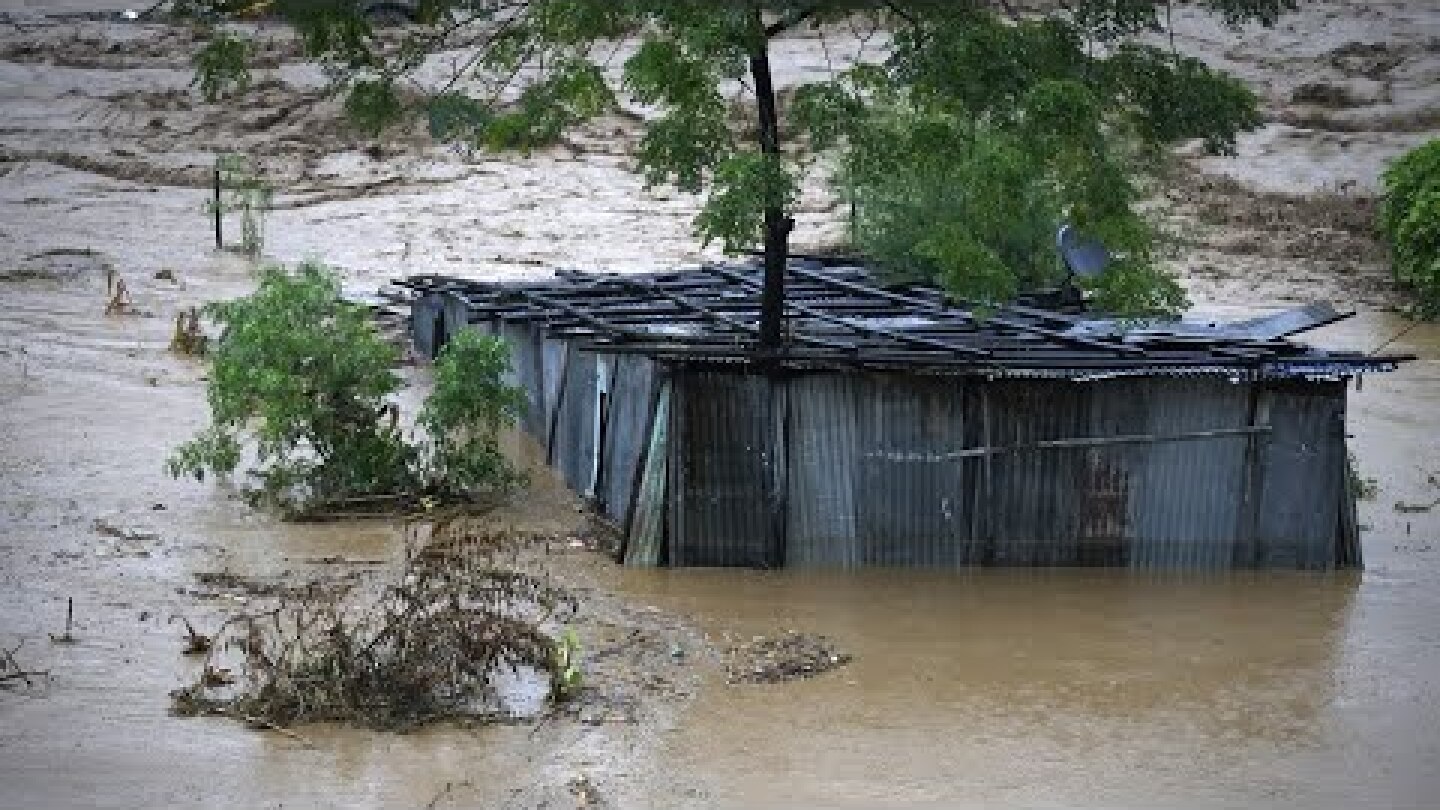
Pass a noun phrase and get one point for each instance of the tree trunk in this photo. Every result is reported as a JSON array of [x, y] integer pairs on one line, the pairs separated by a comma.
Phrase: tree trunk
[[777, 224]]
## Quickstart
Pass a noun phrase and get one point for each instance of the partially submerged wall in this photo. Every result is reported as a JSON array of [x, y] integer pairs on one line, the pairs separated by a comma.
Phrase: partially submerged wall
[[721, 466]]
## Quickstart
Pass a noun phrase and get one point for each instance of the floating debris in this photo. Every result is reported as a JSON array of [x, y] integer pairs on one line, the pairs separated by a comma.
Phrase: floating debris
[[1413, 508], [788, 657], [428, 646], [11, 672]]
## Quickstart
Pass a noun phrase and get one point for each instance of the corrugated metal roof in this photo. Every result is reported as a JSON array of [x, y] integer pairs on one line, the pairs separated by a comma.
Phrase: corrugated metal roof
[[1266, 327], [843, 317]]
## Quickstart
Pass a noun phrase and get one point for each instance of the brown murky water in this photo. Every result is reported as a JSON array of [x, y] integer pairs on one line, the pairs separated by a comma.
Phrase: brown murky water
[[1106, 689], [986, 689]]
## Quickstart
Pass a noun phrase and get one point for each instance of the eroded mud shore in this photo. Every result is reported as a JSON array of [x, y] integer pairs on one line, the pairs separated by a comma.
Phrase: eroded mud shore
[[993, 689]]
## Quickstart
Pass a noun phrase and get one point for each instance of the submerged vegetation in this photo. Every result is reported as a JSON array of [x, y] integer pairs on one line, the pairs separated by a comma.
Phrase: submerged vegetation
[[243, 190], [301, 384], [1410, 220], [427, 647]]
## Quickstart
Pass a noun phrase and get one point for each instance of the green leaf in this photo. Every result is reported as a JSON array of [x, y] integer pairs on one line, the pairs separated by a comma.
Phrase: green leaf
[[222, 66], [373, 105], [745, 184], [464, 413]]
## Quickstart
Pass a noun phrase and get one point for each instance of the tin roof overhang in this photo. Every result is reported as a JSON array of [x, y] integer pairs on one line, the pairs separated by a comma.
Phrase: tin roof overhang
[[843, 317]]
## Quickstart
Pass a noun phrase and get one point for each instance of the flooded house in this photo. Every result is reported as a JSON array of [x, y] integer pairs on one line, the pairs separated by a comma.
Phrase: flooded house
[[897, 428]]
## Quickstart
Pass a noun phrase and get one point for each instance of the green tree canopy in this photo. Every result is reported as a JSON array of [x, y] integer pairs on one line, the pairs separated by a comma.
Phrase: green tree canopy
[[1410, 221], [979, 126]]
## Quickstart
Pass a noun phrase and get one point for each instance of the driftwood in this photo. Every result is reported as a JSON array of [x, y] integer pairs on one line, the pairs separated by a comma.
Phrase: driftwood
[[424, 648], [10, 669]]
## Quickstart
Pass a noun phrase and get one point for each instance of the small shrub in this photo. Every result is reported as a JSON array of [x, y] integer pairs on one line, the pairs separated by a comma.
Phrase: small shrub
[[1410, 221], [567, 674], [304, 380], [243, 191], [301, 382], [465, 412], [222, 65], [1365, 487]]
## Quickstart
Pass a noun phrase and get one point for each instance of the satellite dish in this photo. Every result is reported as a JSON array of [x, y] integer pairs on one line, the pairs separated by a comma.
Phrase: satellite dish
[[1084, 256]]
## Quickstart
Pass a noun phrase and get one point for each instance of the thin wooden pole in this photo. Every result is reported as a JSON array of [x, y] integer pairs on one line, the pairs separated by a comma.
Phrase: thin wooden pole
[[219, 236]]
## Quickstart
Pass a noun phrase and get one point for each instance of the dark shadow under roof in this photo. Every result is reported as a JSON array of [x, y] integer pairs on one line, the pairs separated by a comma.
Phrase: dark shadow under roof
[[841, 316]]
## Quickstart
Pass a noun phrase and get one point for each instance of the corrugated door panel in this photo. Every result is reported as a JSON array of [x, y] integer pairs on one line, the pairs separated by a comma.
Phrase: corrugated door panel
[[1108, 477], [646, 537], [1035, 495], [1302, 465], [552, 375], [426, 313], [627, 427], [526, 367], [1188, 505], [456, 313], [721, 470], [910, 498], [823, 457], [572, 450]]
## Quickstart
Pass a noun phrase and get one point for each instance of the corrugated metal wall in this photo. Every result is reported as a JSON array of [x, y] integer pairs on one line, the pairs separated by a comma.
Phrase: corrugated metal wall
[[424, 313], [457, 315], [434, 318], [629, 410], [525, 371], [553, 354], [1301, 477], [941, 472], [911, 504], [572, 448], [646, 529], [893, 469], [1187, 503], [1033, 498], [824, 430], [720, 469], [564, 403]]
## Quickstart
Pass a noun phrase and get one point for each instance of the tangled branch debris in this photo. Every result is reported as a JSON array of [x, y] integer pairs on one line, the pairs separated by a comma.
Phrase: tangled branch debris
[[426, 647], [11, 672], [773, 659], [188, 338], [195, 643], [120, 302]]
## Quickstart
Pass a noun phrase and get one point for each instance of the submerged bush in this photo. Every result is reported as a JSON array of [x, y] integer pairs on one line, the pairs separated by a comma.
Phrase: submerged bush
[[1410, 221], [302, 383], [467, 409], [427, 647]]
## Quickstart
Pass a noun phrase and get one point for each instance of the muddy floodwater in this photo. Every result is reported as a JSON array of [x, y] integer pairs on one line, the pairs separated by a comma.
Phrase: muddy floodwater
[[993, 689], [997, 688], [1074, 688]]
